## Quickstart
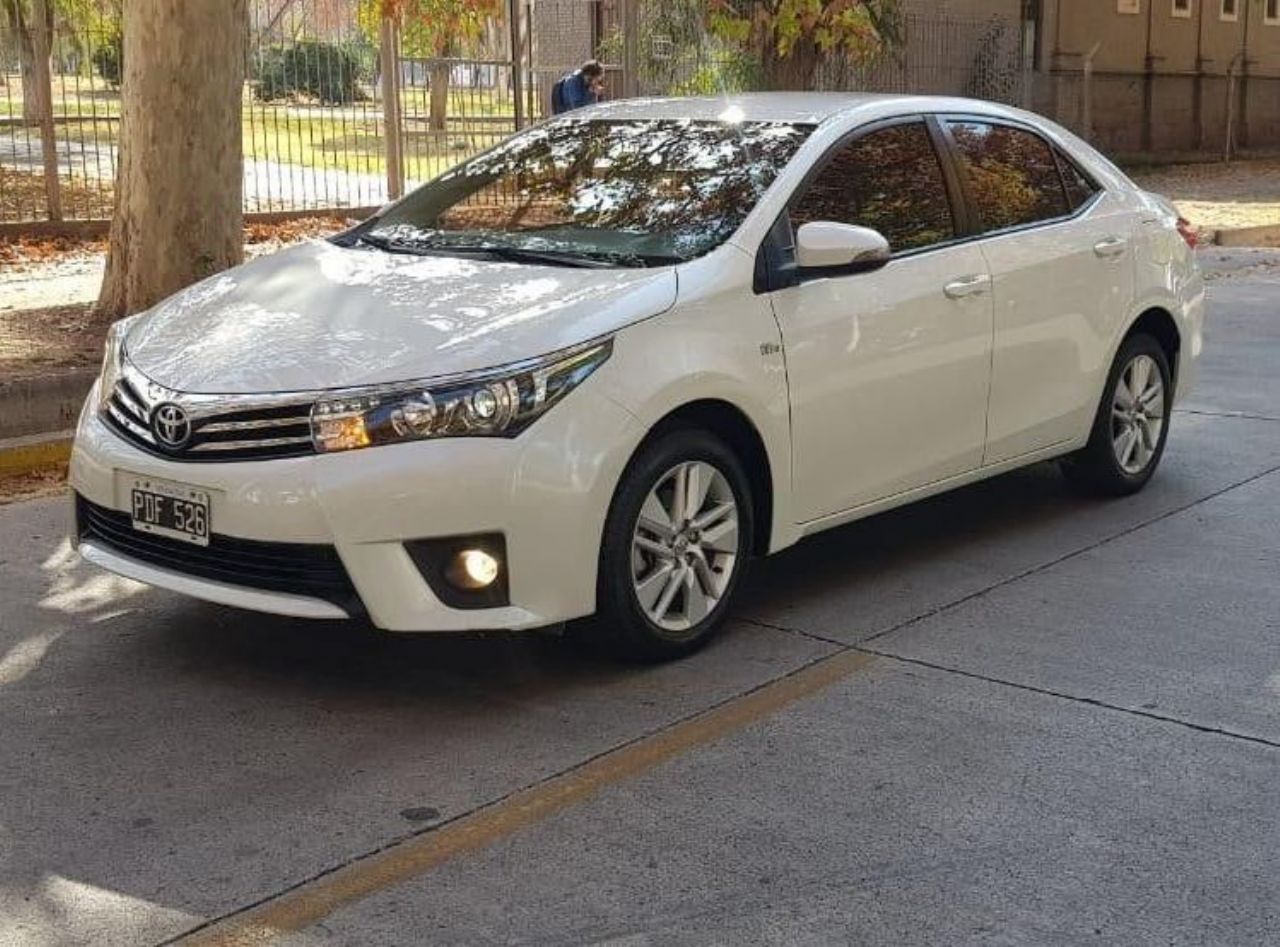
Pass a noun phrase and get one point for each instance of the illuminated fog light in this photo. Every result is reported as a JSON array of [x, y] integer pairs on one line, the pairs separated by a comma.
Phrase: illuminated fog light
[[473, 569]]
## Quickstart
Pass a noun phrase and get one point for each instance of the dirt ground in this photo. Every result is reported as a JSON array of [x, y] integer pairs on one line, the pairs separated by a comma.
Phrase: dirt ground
[[23, 193], [1217, 196], [41, 341], [45, 482]]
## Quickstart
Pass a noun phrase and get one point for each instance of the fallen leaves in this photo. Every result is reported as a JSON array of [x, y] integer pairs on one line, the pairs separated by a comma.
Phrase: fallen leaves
[[23, 197], [32, 252], [36, 342], [33, 484]]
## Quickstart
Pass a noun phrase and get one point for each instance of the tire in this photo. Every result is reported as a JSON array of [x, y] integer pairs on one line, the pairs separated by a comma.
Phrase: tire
[[1127, 439], [665, 585]]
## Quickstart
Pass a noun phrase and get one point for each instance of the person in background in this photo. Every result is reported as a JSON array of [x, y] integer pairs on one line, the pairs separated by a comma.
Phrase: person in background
[[583, 86]]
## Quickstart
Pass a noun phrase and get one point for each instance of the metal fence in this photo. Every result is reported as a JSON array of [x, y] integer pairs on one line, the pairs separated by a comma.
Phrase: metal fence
[[58, 124], [334, 117]]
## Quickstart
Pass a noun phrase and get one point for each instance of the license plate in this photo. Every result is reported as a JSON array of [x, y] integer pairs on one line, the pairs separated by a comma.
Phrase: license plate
[[170, 509]]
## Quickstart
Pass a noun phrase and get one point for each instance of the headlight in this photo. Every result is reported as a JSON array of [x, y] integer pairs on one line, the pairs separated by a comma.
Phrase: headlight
[[112, 358], [498, 403]]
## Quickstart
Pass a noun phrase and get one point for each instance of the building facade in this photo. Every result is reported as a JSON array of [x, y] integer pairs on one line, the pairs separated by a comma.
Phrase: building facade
[[1137, 77], [1161, 77]]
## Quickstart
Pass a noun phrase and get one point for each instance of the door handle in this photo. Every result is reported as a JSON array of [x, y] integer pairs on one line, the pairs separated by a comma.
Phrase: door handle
[[967, 286], [1112, 246]]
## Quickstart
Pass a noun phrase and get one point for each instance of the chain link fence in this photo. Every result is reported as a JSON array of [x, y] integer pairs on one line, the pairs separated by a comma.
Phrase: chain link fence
[[325, 127]]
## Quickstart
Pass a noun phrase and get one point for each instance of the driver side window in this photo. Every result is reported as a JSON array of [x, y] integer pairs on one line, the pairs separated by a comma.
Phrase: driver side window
[[889, 180]]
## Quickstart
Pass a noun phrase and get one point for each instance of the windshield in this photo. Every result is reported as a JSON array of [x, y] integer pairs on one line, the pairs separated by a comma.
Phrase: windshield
[[597, 192]]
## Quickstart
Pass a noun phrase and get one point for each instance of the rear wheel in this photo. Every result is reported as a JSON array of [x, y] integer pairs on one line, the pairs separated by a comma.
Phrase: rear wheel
[[1132, 424], [676, 542]]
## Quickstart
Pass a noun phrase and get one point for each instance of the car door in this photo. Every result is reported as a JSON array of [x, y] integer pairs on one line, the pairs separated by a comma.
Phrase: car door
[[887, 370], [1060, 253]]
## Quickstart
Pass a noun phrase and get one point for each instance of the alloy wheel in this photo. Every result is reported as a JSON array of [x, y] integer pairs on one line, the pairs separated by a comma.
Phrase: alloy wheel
[[1137, 414], [684, 547]]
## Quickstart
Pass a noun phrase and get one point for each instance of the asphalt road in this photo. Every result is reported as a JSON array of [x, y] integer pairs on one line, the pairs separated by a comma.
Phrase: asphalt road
[[1005, 716]]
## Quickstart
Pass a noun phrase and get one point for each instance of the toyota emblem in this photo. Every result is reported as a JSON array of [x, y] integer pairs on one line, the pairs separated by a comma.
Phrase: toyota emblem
[[171, 426]]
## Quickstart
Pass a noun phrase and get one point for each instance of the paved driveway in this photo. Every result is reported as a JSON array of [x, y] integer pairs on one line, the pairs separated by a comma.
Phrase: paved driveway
[[1003, 716]]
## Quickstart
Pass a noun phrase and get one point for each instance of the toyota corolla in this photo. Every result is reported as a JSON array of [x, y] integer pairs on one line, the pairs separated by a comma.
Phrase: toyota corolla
[[598, 368]]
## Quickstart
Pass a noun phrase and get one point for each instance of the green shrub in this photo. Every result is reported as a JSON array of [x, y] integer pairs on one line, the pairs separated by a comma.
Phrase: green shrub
[[328, 72], [108, 59], [728, 73]]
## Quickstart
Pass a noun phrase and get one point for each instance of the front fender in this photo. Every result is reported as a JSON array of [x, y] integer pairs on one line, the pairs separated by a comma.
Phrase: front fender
[[720, 343]]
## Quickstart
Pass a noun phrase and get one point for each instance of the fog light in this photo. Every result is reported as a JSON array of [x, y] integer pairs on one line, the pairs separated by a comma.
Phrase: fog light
[[472, 569], [464, 571]]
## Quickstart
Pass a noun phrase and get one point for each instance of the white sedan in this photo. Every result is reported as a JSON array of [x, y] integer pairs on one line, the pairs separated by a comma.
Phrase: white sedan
[[598, 368]]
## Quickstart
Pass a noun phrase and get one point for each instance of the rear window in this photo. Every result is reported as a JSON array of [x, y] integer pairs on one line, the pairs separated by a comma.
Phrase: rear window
[[1012, 174], [1080, 188]]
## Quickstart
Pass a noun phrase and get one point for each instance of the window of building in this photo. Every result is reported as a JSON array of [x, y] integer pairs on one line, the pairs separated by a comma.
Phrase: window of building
[[1230, 10], [1182, 9], [1271, 13], [889, 180], [1128, 6], [1013, 177]]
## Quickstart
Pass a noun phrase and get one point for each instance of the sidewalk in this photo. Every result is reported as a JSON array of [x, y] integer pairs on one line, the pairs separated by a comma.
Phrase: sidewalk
[[1218, 196]]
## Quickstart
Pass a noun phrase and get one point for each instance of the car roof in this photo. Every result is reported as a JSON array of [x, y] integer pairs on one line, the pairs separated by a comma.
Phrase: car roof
[[801, 107]]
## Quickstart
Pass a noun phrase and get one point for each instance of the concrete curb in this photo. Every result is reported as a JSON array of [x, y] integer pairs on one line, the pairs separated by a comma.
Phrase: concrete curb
[[1268, 235], [41, 405], [19, 455]]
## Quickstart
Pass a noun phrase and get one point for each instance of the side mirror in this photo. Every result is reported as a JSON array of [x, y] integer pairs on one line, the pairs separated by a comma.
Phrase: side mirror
[[825, 248]]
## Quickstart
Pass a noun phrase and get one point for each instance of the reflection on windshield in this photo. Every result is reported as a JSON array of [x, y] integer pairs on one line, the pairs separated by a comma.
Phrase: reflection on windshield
[[637, 192]]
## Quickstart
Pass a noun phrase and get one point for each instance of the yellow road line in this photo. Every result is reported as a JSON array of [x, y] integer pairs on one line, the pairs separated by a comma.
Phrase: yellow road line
[[312, 901], [25, 455]]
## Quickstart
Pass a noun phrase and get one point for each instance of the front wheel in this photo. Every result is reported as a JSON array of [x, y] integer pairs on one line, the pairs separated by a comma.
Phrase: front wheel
[[676, 542], [1132, 424]]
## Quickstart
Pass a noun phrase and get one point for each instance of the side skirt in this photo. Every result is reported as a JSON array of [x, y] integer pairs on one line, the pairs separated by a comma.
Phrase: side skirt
[[938, 486]]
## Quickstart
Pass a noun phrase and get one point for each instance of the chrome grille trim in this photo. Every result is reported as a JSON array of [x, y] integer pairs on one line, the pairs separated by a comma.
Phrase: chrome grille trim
[[219, 426], [223, 427], [127, 401], [245, 445], [131, 426]]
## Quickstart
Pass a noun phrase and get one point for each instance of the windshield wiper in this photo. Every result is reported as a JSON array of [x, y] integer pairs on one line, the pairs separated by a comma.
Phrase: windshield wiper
[[596, 259], [393, 246], [591, 259], [522, 255]]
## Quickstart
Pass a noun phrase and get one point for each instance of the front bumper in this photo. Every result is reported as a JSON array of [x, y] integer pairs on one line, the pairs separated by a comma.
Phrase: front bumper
[[546, 492]]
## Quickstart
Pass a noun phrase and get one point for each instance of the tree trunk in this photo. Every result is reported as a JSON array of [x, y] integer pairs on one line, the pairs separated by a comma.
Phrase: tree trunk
[[178, 215], [35, 54], [793, 72], [439, 77]]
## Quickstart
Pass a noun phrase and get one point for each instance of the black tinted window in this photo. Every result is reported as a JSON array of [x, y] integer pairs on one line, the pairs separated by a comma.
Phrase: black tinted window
[[1013, 178], [889, 180], [1079, 187]]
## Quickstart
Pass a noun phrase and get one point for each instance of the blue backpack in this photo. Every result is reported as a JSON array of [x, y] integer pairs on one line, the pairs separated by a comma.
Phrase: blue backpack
[[558, 104]]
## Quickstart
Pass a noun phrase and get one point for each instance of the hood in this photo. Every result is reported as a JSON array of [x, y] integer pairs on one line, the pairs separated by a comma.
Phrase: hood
[[320, 316]]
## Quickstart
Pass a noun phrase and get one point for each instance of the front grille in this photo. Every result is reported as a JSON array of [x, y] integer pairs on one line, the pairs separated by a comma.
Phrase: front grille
[[218, 432], [300, 568]]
